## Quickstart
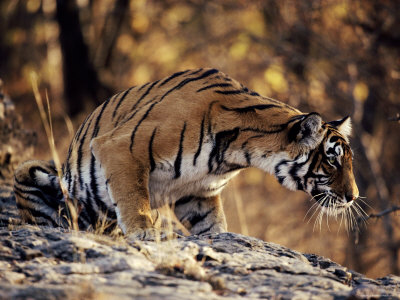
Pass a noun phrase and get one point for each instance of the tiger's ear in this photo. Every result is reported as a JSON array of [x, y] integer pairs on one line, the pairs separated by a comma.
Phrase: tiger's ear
[[308, 131], [344, 126]]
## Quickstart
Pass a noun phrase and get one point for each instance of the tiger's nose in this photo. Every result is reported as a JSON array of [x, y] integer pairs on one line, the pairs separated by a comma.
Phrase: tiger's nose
[[351, 197]]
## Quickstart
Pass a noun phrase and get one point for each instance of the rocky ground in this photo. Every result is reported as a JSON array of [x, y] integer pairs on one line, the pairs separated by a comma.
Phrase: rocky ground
[[50, 263]]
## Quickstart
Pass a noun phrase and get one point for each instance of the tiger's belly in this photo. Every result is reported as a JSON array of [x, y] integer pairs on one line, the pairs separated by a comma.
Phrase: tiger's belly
[[169, 191], [164, 186], [194, 180]]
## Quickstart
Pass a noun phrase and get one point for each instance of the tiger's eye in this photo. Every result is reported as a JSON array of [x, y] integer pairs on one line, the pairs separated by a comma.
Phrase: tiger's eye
[[331, 159]]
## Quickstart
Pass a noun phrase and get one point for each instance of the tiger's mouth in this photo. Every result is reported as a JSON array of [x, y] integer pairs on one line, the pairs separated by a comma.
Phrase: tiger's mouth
[[329, 204], [332, 205], [332, 201]]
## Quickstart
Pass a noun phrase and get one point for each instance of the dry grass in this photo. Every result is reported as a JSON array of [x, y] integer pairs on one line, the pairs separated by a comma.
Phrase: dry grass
[[45, 116]]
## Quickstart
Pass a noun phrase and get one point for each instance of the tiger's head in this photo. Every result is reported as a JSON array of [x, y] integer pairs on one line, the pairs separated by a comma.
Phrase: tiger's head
[[322, 164]]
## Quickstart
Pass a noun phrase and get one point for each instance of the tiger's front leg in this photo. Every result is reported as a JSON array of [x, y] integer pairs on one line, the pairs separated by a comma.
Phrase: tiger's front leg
[[127, 184], [201, 215]]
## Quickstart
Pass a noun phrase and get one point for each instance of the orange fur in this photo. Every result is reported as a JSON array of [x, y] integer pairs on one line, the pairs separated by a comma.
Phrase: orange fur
[[179, 140]]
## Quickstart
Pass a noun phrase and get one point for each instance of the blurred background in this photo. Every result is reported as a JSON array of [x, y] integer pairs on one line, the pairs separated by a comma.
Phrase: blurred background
[[335, 57]]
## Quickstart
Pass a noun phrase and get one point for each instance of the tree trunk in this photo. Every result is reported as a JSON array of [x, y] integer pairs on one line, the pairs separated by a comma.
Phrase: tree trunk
[[81, 83]]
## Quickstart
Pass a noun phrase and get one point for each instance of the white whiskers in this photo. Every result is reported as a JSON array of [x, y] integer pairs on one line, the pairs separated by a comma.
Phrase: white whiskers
[[350, 214]]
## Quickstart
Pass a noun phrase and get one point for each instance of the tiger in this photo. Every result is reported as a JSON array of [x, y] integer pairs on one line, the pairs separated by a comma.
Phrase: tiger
[[178, 141]]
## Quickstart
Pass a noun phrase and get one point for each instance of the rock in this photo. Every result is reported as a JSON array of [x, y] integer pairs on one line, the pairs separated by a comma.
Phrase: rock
[[57, 263]]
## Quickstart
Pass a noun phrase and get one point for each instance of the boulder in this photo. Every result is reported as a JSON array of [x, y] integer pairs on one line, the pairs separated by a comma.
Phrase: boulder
[[52, 263]]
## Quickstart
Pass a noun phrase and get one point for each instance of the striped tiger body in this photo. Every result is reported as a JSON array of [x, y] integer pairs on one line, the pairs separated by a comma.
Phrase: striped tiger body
[[179, 141]]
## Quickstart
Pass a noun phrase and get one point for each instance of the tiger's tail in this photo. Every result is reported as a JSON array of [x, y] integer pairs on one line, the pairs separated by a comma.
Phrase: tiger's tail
[[39, 196]]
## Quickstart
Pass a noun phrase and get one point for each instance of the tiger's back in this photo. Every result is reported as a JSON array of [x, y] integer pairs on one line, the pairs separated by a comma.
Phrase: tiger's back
[[179, 140]]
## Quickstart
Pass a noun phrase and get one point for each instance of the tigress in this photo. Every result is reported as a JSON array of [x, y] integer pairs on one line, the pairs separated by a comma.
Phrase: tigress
[[178, 141]]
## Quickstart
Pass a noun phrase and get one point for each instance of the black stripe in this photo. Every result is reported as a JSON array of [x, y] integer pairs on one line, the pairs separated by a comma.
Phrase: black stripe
[[280, 127], [78, 134], [188, 80], [151, 158], [209, 117], [129, 118], [277, 170], [225, 138], [93, 181], [178, 160], [220, 186], [52, 195], [197, 218], [139, 123], [263, 131], [37, 196], [96, 125], [183, 200], [331, 151], [200, 142], [214, 85], [144, 95], [114, 98], [293, 172], [117, 122], [251, 108], [92, 214], [80, 155], [244, 89], [247, 155], [233, 92], [73, 193], [196, 71], [150, 100], [313, 163], [132, 115], [38, 214], [277, 102], [67, 164], [334, 138], [99, 202], [172, 77], [143, 86], [222, 141], [68, 177], [120, 101], [66, 169], [206, 229]]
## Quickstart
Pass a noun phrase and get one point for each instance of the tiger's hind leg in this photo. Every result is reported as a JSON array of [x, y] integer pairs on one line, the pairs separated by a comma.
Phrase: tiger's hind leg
[[201, 215], [38, 194]]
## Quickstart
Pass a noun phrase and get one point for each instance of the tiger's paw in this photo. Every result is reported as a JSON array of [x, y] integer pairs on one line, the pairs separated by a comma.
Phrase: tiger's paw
[[151, 234]]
